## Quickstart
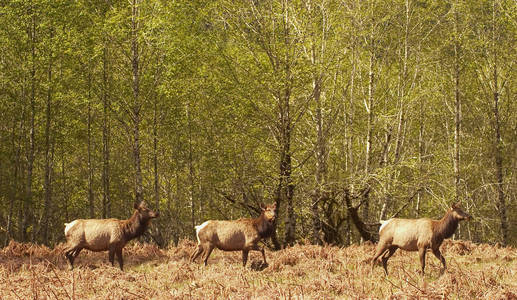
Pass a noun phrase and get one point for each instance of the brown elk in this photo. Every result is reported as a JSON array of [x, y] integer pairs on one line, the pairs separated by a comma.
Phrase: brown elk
[[106, 234], [417, 235], [237, 235]]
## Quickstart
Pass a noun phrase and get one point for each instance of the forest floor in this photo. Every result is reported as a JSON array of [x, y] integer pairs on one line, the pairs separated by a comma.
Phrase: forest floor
[[475, 271]]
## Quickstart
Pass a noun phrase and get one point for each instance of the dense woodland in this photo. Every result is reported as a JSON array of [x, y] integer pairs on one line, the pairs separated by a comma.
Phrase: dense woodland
[[342, 112]]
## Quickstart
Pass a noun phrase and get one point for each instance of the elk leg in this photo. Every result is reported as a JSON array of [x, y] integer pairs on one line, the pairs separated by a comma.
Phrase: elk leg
[[263, 255], [71, 261], [111, 256], [196, 253], [387, 256], [76, 252], [439, 255], [261, 249], [72, 254], [69, 254], [208, 251], [421, 253], [381, 248], [120, 259], [244, 257]]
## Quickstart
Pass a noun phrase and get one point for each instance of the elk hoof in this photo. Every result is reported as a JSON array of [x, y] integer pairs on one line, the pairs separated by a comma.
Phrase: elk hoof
[[258, 265]]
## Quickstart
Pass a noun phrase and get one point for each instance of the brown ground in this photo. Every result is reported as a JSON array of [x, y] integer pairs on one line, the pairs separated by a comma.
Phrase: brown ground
[[301, 272]]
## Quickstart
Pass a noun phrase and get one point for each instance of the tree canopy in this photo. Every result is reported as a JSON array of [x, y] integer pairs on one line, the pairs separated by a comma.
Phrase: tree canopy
[[342, 112]]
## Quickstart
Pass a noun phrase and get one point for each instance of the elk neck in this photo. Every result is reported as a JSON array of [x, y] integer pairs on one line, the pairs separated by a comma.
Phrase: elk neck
[[446, 227], [134, 226], [263, 226]]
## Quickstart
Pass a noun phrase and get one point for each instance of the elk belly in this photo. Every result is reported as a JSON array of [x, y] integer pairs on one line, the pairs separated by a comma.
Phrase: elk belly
[[98, 237]]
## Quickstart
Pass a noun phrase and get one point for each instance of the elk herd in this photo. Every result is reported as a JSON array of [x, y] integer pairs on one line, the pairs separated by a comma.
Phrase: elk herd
[[244, 235]]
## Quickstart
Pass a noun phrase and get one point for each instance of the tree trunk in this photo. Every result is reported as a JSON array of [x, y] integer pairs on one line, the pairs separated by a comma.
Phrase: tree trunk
[[285, 187], [457, 112], [285, 170], [155, 157], [285, 138], [191, 172], [48, 154], [64, 184], [89, 134], [157, 236], [106, 201], [498, 153], [135, 63], [26, 208], [321, 142], [14, 179], [321, 163], [421, 128], [369, 131], [348, 116]]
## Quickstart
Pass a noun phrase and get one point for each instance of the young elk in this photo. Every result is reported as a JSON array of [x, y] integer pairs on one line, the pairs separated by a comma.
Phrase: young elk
[[106, 234], [417, 235], [238, 235]]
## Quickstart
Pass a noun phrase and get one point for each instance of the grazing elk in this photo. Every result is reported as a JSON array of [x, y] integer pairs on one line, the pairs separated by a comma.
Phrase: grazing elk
[[417, 235], [106, 234], [237, 235]]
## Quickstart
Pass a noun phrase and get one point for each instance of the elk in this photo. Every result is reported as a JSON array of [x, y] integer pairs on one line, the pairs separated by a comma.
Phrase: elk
[[417, 235], [236, 235], [106, 234]]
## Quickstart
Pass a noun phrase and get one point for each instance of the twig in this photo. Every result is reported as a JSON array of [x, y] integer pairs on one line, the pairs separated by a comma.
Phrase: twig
[[393, 284], [58, 279], [12, 291], [35, 278], [407, 203], [232, 200], [73, 285], [15, 293], [410, 283], [134, 294]]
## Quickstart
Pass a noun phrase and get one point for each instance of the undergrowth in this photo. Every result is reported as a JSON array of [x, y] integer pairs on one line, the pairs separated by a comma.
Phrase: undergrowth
[[475, 271]]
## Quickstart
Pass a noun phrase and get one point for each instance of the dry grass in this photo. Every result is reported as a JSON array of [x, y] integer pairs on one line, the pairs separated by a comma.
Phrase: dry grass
[[300, 272]]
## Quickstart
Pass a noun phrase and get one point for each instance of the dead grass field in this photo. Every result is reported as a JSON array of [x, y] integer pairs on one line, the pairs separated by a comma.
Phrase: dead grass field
[[300, 272]]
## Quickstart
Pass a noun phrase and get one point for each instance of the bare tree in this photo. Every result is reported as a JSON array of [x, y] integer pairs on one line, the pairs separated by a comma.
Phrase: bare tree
[[25, 215], [498, 142], [48, 147], [89, 146], [137, 105], [106, 199], [457, 109]]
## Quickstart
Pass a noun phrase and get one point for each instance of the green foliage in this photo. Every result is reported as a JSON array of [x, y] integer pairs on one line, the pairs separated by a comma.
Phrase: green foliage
[[212, 77]]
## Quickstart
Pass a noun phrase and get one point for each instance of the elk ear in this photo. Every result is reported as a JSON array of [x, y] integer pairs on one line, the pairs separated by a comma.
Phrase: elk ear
[[456, 205], [273, 206], [136, 205], [262, 206]]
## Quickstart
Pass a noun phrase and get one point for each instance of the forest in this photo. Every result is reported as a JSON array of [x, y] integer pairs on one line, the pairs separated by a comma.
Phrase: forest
[[342, 112]]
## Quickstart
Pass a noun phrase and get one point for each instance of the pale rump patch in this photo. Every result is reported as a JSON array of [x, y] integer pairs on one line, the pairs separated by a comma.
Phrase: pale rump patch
[[384, 223], [198, 228], [69, 225]]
